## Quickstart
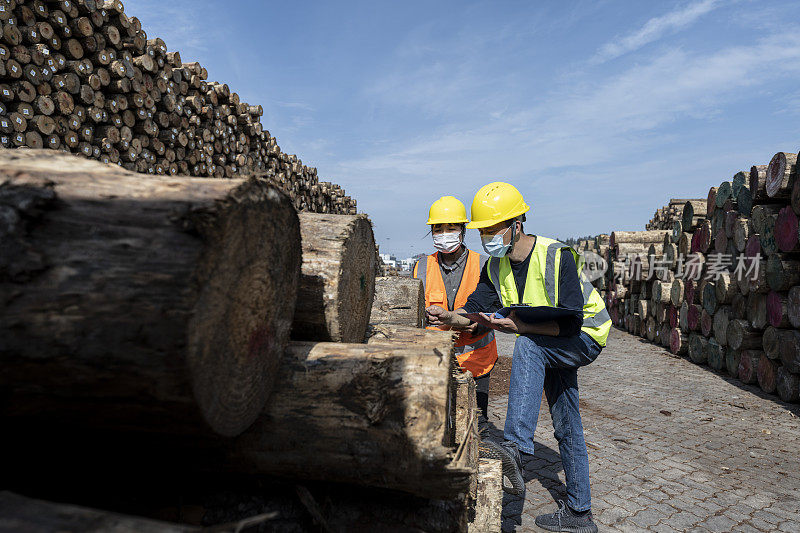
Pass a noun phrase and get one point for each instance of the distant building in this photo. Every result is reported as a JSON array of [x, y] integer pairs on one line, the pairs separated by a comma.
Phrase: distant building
[[389, 260]]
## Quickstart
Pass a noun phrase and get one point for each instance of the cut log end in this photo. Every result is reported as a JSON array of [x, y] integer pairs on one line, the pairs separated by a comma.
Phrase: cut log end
[[238, 330]]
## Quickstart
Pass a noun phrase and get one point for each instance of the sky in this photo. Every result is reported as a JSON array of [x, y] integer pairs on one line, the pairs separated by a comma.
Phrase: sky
[[598, 112]]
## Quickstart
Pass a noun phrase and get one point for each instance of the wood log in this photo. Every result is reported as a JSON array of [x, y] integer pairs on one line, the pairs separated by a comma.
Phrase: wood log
[[715, 355], [661, 291], [398, 300], [650, 329], [786, 230], [780, 175], [732, 358], [766, 372], [637, 237], [156, 298], [742, 336], [795, 198], [767, 237], [683, 317], [362, 403], [757, 310], [489, 504], [748, 366], [693, 316], [744, 202], [756, 280], [678, 342], [739, 306], [698, 348], [758, 183], [710, 302], [793, 306], [725, 288], [787, 385], [672, 316], [706, 323], [772, 339], [721, 319], [664, 336], [782, 272], [337, 283], [761, 213], [778, 309], [685, 244], [790, 350], [741, 232], [18, 513], [724, 193], [711, 201]]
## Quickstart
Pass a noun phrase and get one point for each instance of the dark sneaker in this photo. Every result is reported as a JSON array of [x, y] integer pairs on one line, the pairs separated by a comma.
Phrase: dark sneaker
[[508, 453], [565, 519]]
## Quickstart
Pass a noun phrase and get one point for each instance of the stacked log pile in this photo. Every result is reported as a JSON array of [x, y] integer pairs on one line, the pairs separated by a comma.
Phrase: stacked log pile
[[169, 330], [664, 217], [82, 76], [722, 284]]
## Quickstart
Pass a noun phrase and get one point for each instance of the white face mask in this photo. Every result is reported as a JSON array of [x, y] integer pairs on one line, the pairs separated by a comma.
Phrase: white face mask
[[447, 242]]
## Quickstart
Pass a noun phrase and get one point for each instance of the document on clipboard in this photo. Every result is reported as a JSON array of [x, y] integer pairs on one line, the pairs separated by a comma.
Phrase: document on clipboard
[[527, 313]]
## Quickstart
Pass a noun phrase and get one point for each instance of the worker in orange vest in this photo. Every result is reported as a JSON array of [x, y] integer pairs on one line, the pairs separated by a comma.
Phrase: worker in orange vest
[[449, 276]]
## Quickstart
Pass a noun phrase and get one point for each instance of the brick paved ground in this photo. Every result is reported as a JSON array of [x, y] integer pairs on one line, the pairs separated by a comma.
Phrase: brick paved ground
[[672, 447]]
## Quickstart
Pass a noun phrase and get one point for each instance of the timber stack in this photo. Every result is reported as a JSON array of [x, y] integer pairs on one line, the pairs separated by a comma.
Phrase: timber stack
[[192, 312], [82, 76], [721, 284], [196, 332]]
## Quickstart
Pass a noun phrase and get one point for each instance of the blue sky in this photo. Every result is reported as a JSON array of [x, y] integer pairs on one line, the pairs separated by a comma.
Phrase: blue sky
[[599, 112]]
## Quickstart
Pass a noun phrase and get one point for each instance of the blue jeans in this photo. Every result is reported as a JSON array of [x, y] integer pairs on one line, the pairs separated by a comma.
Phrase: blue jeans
[[550, 364]]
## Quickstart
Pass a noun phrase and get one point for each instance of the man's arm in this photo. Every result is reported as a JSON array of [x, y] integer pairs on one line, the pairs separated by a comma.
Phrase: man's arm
[[483, 299], [570, 294]]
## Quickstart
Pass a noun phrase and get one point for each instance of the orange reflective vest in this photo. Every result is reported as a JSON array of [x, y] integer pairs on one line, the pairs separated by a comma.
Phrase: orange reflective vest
[[476, 353]]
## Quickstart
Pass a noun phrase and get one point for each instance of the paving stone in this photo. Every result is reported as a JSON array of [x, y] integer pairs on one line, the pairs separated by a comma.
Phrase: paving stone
[[719, 523], [707, 467]]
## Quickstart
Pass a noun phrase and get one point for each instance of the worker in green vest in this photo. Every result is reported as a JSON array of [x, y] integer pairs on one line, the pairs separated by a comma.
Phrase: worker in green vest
[[537, 271]]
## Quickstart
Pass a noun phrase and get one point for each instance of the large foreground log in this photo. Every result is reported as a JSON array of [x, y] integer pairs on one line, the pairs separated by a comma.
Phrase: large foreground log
[[141, 301], [398, 300], [373, 414], [338, 278]]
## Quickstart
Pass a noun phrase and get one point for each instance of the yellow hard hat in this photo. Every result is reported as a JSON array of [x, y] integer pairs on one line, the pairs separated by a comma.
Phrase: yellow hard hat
[[447, 210], [495, 203]]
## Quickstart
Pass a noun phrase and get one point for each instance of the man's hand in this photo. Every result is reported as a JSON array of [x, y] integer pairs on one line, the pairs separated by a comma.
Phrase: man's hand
[[510, 324], [437, 316], [471, 328]]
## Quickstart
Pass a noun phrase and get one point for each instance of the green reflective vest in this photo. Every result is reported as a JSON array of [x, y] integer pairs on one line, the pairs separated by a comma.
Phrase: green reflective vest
[[541, 285]]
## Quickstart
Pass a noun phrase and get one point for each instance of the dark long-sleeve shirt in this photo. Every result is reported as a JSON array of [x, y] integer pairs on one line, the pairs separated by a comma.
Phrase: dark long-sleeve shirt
[[485, 298]]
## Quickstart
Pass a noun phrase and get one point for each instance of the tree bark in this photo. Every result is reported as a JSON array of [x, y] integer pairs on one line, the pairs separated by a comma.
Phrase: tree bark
[[398, 300], [139, 301], [637, 237], [372, 414], [337, 282]]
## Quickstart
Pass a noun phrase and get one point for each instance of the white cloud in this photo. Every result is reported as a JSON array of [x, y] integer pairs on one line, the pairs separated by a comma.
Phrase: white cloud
[[654, 29]]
